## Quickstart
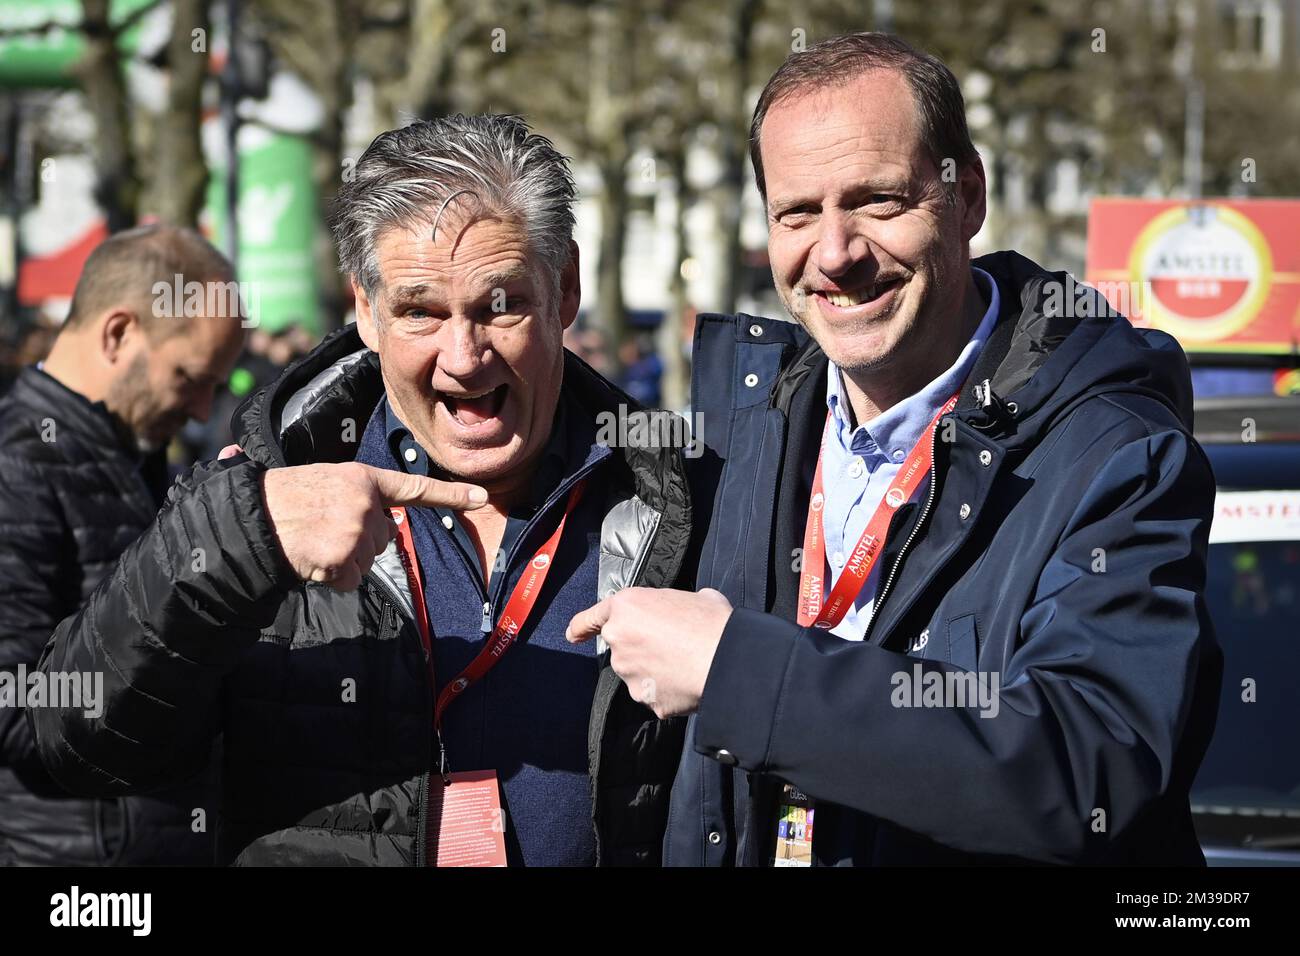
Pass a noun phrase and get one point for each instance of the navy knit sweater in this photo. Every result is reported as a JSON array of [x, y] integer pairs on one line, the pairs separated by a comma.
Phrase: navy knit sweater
[[527, 719]]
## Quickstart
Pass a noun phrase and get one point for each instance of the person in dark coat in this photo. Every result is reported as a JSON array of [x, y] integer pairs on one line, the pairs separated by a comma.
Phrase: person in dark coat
[[952, 581], [82, 473], [353, 665]]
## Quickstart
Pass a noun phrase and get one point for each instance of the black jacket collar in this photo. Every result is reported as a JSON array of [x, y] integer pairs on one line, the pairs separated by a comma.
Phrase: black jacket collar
[[95, 428]]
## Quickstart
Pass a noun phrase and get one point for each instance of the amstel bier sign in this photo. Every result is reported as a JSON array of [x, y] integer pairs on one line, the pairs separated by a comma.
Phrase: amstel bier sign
[[1220, 275]]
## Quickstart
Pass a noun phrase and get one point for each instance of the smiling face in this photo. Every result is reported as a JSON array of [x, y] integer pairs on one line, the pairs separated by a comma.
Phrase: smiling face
[[468, 338], [868, 251]]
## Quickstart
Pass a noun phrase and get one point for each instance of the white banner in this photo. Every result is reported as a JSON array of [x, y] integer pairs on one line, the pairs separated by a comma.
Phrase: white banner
[[1256, 516]]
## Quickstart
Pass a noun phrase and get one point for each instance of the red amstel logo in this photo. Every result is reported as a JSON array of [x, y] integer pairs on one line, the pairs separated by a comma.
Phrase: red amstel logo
[[1204, 270]]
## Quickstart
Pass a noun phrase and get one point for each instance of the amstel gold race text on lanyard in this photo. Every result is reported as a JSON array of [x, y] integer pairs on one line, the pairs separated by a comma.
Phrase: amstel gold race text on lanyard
[[816, 609]]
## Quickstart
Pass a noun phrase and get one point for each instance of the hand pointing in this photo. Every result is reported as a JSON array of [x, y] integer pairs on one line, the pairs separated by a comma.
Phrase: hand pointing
[[661, 642], [331, 520]]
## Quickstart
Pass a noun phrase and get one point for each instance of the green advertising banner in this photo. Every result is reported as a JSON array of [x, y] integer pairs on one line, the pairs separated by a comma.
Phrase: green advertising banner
[[41, 40], [277, 230]]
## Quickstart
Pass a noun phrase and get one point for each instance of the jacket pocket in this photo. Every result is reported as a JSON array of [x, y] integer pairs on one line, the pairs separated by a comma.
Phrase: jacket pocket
[[963, 646]]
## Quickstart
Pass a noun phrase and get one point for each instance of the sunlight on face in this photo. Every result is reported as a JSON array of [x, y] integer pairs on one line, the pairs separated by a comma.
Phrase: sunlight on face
[[469, 343], [868, 251]]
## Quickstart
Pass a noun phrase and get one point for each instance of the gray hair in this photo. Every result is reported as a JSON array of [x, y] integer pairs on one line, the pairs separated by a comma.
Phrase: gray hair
[[408, 176]]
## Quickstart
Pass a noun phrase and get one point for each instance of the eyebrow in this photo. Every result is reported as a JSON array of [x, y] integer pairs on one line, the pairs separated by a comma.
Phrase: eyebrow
[[883, 183], [408, 294], [417, 293], [777, 206], [494, 280]]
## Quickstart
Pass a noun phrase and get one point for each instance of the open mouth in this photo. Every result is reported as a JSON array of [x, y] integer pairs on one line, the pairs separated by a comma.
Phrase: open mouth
[[877, 290], [472, 409]]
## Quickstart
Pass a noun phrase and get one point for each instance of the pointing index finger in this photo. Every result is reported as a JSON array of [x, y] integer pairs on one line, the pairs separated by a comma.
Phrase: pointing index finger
[[396, 488], [587, 624]]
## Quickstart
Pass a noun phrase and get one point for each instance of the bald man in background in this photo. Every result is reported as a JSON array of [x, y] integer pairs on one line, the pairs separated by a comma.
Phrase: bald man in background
[[82, 473]]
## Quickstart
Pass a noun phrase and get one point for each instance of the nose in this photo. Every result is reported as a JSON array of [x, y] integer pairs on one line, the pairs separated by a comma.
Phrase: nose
[[465, 348], [840, 244]]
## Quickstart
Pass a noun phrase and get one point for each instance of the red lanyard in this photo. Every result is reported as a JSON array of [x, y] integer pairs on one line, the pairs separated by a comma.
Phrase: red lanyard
[[518, 607], [816, 609]]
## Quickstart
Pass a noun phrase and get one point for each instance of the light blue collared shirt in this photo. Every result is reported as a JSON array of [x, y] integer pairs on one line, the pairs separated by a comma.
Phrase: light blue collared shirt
[[858, 464]]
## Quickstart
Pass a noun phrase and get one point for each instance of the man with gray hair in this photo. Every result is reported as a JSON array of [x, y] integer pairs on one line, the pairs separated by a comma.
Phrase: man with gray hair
[[369, 601]]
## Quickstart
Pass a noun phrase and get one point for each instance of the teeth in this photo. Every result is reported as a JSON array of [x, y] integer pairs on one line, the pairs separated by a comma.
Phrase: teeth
[[846, 299], [469, 398]]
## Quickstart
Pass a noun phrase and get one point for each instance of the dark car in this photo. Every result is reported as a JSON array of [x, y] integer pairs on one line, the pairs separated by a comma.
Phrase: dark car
[[1246, 798]]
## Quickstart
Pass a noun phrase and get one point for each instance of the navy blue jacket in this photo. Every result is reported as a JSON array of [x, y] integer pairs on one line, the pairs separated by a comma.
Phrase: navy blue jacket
[[1061, 547]]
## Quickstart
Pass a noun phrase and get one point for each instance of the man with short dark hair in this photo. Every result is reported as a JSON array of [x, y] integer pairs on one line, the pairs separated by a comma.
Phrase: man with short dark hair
[[421, 506], [952, 583], [82, 472]]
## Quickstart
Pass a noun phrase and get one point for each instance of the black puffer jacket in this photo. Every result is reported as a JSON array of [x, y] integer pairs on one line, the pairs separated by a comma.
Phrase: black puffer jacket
[[72, 498], [242, 647]]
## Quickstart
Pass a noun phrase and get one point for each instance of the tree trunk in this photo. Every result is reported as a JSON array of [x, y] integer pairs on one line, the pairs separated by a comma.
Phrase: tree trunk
[[675, 393], [607, 121], [182, 175], [334, 89], [610, 315], [735, 139], [117, 188], [433, 45]]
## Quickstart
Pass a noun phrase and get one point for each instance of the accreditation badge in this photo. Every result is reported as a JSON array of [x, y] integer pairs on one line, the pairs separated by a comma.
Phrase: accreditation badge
[[794, 828], [467, 825]]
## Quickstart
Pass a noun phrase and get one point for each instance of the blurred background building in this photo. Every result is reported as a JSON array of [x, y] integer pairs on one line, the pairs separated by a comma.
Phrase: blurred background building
[[252, 112]]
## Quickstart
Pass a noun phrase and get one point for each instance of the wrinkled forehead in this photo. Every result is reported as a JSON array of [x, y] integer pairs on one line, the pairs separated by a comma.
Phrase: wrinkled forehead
[[467, 254]]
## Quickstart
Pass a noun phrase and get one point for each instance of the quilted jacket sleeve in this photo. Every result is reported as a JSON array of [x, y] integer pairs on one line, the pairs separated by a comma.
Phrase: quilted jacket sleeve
[[164, 629]]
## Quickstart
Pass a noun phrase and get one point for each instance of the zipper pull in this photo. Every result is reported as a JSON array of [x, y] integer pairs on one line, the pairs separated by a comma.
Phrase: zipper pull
[[486, 626]]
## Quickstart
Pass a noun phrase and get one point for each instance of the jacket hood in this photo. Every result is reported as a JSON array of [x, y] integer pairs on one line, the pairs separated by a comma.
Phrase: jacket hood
[[1054, 342], [1057, 341], [302, 417]]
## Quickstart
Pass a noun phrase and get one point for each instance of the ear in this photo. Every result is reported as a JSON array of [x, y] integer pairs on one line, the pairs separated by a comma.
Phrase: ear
[[119, 335], [973, 194], [570, 288], [366, 319]]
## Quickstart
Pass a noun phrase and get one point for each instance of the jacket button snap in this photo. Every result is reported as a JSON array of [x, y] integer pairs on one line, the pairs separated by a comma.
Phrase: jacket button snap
[[964, 511], [726, 757], [751, 380], [756, 330], [715, 837], [986, 457]]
